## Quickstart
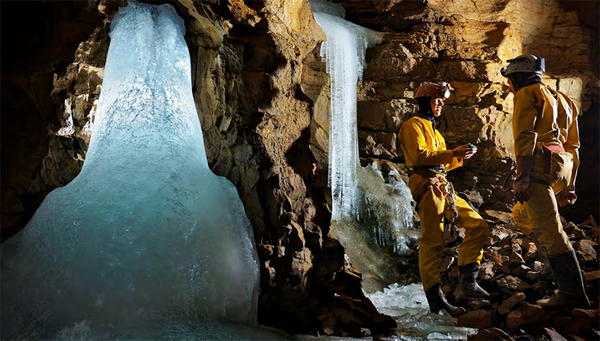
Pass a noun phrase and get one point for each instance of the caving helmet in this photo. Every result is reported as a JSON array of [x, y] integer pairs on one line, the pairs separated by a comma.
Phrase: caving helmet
[[524, 63], [433, 90]]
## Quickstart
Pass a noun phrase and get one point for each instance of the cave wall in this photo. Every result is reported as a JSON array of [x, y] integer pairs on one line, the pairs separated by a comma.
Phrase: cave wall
[[262, 96]]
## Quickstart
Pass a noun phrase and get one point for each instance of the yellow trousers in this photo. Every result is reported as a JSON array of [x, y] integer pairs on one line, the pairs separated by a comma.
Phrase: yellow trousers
[[539, 215], [431, 244]]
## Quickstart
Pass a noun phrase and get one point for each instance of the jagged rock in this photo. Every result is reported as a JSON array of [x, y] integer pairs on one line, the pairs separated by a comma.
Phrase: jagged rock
[[500, 262], [591, 275], [498, 235], [586, 252], [478, 304], [527, 316], [262, 95], [445, 262], [382, 145], [537, 266], [570, 326], [499, 217], [486, 271], [592, 315], [554, 336], [510, 302], [490, 334], [530, 250], [521, 271], [509, 284], [479, 319]]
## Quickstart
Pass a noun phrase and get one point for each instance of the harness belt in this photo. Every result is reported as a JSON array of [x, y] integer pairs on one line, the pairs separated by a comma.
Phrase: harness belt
[[428, 171]]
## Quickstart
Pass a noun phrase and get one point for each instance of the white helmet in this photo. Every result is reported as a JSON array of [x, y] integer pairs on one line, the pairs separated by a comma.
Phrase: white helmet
[[524, 63]]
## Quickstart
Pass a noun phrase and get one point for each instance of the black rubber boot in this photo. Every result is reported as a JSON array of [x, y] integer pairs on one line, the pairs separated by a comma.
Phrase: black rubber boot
[[437, 302], [468, 287], [567, 275]]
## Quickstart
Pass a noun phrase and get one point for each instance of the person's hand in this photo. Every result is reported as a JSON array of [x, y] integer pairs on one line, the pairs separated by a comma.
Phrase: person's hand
[[520, 187], [465, 152], [566, 197]]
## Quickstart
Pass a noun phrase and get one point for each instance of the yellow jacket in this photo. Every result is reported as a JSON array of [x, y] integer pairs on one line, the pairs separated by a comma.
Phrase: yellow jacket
[[541, 117], [424, 146]]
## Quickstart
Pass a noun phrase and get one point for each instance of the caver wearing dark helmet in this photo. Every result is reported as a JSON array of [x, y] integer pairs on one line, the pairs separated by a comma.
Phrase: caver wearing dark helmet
[[425, 152]]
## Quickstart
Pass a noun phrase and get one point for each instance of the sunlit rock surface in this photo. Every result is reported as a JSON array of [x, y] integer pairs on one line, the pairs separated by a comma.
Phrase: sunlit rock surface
[[146, 232], [255, 63]]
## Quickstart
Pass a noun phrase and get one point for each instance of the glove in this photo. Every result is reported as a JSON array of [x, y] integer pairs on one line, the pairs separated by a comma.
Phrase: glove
[[524, 164], [566, 197]]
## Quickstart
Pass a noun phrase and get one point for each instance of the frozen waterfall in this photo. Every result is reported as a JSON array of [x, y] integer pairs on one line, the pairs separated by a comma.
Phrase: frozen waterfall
[[372, 217], [146, 232], [344, 56]]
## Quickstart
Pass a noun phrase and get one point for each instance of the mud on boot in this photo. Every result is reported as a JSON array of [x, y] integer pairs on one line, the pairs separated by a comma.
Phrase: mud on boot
[[468, 287], [437, 302]]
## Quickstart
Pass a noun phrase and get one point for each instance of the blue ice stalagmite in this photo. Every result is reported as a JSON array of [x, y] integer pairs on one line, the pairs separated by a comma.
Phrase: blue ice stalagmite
[[146, 231]]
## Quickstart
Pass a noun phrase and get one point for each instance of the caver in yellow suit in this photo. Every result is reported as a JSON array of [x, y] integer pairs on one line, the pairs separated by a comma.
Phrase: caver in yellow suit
[[425, 152], [546, 141]]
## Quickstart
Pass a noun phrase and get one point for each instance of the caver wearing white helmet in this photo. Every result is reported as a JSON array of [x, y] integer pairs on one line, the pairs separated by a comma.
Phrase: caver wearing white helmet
[[546, 144], [524, 70]]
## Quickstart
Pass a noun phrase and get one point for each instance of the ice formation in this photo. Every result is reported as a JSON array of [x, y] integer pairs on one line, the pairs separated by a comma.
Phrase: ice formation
[[344, 56], [146, 231], [370, 216], [408, 306]]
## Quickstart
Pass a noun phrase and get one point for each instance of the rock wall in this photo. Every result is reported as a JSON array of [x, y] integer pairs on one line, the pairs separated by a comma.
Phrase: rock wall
[[465, 43], [263, 98]]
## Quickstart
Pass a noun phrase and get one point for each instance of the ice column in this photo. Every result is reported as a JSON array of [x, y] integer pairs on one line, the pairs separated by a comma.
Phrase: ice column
[[372, 217], [146, 231], [344, 55]]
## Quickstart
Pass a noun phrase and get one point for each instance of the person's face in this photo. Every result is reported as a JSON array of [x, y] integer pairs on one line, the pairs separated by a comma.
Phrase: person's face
[[511, 87], [437, 103]]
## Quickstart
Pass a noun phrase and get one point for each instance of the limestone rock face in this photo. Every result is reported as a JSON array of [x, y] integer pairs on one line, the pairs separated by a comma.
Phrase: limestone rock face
[[262, 94]]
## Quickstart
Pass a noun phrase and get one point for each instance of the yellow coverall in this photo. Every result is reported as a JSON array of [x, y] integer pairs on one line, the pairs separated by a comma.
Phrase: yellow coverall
[[540, 118], [424, 146]]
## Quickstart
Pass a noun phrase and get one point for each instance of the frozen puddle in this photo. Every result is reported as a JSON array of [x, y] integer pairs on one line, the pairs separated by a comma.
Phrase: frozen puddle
[[408, 306]]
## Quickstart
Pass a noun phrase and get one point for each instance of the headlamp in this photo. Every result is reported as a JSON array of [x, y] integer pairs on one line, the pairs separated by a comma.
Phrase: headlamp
[[444, 90]]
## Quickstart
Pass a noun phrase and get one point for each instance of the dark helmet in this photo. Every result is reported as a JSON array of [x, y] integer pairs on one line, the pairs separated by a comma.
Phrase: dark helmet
[[433, 90]]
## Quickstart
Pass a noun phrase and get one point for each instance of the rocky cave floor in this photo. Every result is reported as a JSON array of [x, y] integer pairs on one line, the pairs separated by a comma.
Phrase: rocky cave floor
[[516, 273]]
